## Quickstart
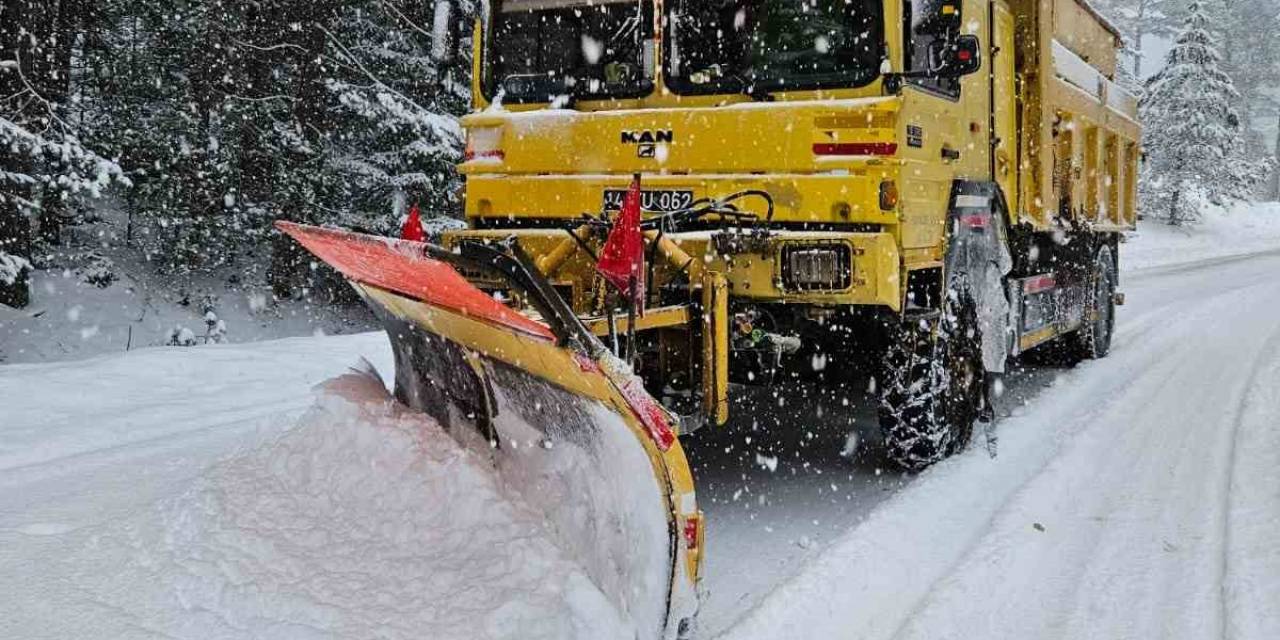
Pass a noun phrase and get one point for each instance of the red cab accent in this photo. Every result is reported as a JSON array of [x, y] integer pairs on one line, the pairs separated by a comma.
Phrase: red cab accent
[[855, 148]]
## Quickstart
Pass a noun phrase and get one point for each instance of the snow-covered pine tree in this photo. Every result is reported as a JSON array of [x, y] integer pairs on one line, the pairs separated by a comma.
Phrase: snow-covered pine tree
[[397, 138], [229, 114], [396, 77], [1193, 134], [1253, 61], [43, 162]]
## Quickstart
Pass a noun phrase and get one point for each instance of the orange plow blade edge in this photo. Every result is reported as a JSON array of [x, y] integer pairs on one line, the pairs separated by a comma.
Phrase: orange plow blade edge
[[570, 430]]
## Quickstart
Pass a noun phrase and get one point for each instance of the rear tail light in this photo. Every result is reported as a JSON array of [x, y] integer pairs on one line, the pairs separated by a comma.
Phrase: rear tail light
[[484, 143], [855, 148], [975, 221]]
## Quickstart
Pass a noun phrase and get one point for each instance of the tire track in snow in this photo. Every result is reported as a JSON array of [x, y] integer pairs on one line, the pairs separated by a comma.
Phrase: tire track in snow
[[1252, 574], [1140, 510], [1150, 388], [1008, 536], [1071, 433]]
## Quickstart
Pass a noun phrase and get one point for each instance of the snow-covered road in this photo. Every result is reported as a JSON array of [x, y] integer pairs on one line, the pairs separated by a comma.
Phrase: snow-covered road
[[1137, 496]]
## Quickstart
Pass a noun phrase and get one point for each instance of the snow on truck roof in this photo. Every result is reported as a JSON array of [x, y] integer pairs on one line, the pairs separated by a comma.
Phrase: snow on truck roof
[[1102, 19]]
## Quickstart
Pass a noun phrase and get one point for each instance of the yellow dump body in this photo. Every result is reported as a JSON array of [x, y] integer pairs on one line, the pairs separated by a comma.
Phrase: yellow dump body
[[1080, 134]]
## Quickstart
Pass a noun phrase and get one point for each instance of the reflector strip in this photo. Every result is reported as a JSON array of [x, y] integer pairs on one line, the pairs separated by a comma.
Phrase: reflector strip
[[855, 148], [484, 155], [645, 408], [1039, 284], [402, 267], [691, 525]]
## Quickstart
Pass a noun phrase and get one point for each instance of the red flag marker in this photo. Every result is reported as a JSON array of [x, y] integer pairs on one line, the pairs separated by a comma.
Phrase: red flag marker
[[622, 259], [412, 229]]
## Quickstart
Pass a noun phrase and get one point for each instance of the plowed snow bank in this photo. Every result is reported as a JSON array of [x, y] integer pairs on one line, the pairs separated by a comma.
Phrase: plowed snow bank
[[1241, 230], [362, 521]]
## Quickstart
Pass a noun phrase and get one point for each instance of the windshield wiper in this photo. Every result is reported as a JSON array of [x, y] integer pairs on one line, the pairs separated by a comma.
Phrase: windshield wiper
[[747, 88]]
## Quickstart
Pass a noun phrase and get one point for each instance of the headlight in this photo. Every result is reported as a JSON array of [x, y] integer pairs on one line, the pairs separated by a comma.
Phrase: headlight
[[484, 143], [817, 267]]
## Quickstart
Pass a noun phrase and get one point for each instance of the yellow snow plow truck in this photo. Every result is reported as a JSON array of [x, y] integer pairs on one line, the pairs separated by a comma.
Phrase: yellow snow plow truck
[[668, 200], [914, 189]]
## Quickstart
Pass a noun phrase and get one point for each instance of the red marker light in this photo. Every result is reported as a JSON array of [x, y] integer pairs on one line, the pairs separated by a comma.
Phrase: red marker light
[[692, 527]]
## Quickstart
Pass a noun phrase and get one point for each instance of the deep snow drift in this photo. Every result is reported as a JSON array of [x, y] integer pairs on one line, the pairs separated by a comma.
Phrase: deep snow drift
[[363, 520]]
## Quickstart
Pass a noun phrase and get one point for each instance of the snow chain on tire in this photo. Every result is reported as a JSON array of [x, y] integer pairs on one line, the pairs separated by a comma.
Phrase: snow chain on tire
[[931, 385], [1093, 340]]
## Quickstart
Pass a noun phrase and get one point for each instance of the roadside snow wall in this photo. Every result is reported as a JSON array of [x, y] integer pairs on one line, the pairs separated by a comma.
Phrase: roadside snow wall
[[364, 521]]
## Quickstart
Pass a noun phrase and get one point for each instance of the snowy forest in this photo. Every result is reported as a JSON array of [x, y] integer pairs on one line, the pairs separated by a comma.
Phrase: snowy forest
[[206, 120]]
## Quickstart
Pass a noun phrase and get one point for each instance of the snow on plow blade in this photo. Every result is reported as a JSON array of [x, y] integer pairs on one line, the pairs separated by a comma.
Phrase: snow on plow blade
[[570, 431]]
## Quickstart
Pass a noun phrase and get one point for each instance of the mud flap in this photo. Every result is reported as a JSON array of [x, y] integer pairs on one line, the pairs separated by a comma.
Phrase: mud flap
[[978, 254], [568, 432]]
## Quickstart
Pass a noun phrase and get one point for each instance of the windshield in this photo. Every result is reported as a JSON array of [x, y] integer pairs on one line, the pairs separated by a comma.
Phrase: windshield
[[542, 50], [723, 46]]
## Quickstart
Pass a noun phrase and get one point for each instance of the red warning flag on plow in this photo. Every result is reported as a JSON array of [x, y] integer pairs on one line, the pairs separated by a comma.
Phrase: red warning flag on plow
[[412, 229], [622, 259]]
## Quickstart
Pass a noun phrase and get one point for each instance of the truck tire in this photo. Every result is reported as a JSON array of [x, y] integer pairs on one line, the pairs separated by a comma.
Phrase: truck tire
[[1093, 340], [931, 386]]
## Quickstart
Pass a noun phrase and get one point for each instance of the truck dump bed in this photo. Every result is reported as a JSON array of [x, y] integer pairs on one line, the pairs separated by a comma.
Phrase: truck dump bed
[[1079, 140]]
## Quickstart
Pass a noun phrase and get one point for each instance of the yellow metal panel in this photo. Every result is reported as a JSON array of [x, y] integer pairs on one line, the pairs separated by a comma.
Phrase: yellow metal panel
[[1005, 107], [1113, 180], [1092, 173], [973, 129], [1081, 29], [774, 137], [715, 347], [1031, 340], [652, 319], [926, 192], [1131, 157], [849, 195], [753, 276]]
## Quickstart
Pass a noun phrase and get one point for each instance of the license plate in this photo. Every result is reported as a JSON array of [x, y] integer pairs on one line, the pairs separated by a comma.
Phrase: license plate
[[655, 200]]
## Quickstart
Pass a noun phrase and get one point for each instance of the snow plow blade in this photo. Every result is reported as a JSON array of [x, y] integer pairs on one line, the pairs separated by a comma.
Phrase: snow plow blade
[[571, 431]]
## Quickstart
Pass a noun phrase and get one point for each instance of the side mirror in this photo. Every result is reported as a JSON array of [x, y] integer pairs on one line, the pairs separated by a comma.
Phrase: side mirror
[[956, 57]]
